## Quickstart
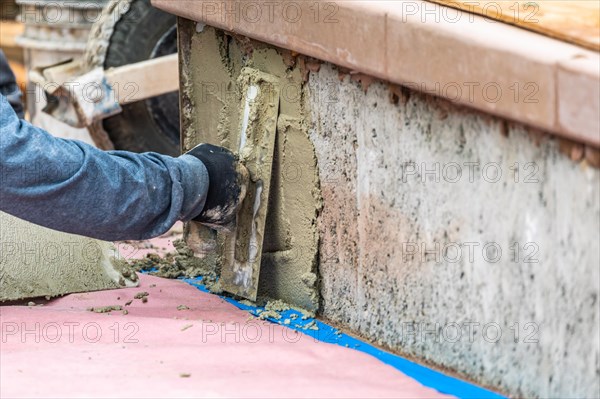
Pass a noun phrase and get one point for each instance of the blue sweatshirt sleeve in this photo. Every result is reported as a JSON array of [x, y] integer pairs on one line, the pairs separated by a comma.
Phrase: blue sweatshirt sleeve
[[70, 186]]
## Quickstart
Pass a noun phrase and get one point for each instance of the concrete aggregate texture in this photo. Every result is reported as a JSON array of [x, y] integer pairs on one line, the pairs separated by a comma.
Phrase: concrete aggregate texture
[[458, 238]]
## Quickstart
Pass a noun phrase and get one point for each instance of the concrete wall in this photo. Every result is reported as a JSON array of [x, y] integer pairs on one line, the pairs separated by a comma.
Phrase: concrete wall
[[492, 273], [447, 235]]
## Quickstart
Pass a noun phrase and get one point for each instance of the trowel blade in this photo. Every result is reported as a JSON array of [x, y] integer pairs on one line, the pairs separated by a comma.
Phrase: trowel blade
[[243, 246]]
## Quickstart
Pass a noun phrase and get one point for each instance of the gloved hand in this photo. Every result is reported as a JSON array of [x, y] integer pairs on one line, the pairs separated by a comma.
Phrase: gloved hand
[[228, 181]]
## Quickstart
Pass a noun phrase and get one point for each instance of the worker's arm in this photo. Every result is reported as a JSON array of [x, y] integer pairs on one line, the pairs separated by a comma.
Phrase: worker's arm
[[73, 187]]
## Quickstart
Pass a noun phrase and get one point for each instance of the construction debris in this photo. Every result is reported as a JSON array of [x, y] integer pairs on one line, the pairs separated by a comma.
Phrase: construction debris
[[181, 263], [105, 309], [141, 295]]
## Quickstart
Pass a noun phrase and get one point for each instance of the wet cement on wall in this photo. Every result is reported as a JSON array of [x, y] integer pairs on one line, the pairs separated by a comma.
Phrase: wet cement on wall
[[36, 262], [211, 65], [526, 322]]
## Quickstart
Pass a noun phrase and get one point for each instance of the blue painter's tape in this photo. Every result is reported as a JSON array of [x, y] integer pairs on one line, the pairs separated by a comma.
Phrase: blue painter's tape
[[434, 379]]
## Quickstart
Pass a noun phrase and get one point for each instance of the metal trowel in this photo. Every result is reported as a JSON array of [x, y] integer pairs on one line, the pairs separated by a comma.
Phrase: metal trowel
[[242, 249]]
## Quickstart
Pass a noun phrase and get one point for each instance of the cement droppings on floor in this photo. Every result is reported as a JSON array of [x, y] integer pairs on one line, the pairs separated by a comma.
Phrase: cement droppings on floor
[[179, 264]]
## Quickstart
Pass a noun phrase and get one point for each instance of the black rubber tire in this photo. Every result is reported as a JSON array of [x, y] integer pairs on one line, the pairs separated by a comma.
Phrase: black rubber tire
[[153, 124]]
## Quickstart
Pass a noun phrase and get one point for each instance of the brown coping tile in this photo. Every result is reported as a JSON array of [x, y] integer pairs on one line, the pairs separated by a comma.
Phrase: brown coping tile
[[579, 98], [491, 66]]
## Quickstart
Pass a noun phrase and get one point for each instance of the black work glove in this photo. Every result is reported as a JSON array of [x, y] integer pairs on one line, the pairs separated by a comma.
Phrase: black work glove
[[228, 181]]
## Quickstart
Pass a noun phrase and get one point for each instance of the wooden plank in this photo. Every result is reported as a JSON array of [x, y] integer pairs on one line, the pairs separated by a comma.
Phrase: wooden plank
[[144, 79], [9, 30], [576, 22]]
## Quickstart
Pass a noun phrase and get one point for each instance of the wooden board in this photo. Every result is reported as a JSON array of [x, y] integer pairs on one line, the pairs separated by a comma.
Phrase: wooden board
[[9, 30], [576, 22], [145, 79]]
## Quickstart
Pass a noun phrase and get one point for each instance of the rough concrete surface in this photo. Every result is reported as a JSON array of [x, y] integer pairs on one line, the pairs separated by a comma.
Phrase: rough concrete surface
[[36, 261], [457, 238]]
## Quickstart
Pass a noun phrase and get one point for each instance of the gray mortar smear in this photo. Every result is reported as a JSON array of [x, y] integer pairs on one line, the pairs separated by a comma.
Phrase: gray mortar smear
[[39, 262], [211, 65]]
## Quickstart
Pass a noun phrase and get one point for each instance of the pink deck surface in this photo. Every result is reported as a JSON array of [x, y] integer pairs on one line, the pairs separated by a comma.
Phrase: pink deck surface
[[212, 349]]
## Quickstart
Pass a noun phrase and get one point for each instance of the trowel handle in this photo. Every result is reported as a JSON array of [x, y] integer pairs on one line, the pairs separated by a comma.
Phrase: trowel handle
[[201, 239]]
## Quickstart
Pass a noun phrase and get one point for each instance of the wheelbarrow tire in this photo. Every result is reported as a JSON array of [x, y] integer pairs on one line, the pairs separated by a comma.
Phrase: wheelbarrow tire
[[143, 33]]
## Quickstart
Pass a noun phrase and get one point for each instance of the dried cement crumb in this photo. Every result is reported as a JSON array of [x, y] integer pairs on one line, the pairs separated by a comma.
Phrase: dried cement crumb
[[269, 314], [311, 326], [277, 306], [273, 309], [307, 314], [105, 309]]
